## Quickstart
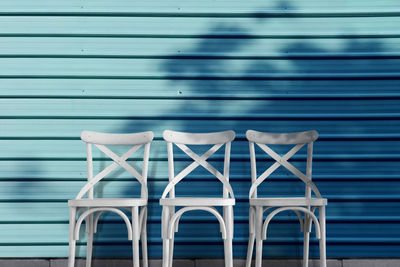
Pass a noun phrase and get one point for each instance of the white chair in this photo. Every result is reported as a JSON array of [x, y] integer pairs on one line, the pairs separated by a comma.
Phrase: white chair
[[170, 217], [306, 205], [92, 208]]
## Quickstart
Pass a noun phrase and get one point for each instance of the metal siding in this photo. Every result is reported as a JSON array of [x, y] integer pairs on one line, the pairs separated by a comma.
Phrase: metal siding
[[123, 66]]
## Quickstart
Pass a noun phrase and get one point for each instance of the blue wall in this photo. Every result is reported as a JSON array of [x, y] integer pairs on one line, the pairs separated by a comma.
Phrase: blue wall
[[127, 66]]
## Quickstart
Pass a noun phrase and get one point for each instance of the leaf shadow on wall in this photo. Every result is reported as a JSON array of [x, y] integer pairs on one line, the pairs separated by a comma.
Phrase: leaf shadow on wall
[[220, 86]]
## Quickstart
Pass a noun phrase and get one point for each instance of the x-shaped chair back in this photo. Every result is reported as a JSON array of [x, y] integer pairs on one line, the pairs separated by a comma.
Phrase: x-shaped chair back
[[297, 139], [181, 140], [100, 140]]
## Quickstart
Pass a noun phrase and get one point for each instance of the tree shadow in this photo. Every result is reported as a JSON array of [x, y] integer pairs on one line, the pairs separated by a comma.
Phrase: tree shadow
[[301, 73]]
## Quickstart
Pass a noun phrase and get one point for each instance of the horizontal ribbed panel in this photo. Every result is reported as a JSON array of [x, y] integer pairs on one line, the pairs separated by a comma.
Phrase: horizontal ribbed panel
[[163, 88], [207, 7], [186, 47], [203, 68], [200, 108], [197, 27], [128, 66]]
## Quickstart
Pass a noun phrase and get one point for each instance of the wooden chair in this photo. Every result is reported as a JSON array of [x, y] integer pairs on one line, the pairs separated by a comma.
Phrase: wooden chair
[[92, 207], [170, 217], [306, 205]]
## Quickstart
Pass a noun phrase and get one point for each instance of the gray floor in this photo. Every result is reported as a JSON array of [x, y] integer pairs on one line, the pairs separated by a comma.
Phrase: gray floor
[[200, 263]]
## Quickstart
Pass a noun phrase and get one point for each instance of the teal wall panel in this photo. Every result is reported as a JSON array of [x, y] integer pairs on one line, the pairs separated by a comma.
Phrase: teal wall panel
[[127, 66]]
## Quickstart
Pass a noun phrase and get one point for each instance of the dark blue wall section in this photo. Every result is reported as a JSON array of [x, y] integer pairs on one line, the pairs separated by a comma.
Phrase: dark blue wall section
[[198, 66]]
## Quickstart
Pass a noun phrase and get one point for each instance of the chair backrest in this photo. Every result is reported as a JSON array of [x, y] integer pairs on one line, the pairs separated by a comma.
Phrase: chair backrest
[[100, 140], [263, 139], [181, 140]]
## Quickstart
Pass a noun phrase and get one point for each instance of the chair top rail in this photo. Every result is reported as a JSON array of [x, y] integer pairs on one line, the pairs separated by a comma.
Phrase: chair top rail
[[282, 138], [117, 139], [198, 138]]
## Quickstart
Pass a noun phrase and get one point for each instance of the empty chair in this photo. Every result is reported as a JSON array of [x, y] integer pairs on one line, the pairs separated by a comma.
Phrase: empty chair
[[303, 207], [90, 208], [170, 217]]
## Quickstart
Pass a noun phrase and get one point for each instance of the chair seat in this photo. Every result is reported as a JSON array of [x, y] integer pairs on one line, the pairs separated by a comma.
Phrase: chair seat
[[288, 201], [197, 201], [107, 202]]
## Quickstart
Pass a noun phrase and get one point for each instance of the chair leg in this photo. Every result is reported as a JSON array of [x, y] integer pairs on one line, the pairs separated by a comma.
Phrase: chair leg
[[164, 232], [228, 252], [89, 246], [251, 237], [306, 234], [259, 240], [171, 241], [135, 236], [250, 248], [72, 241], [228, 218], [144, 239], [165, 261], [322, 241], [171, 250]]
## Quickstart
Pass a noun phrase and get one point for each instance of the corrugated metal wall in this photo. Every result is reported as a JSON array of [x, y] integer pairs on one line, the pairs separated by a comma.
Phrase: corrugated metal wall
[[126, 66]]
